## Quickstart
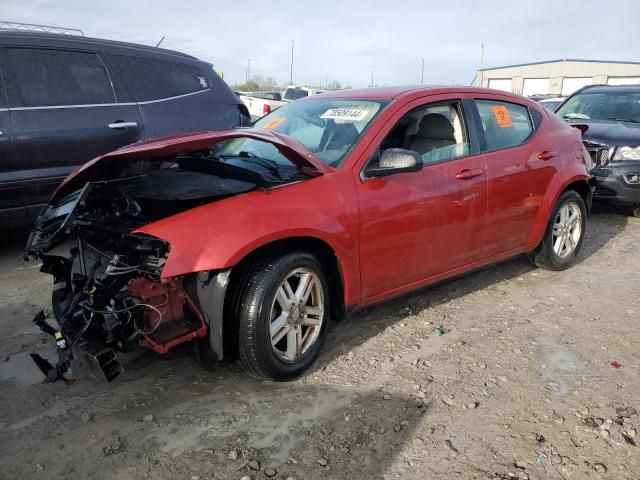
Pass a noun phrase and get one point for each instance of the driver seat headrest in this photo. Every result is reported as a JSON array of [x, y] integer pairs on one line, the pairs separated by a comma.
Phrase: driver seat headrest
[[435, 126]]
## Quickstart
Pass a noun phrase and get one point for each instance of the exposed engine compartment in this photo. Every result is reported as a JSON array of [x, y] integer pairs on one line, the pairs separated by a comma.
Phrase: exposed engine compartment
[[108, 294]]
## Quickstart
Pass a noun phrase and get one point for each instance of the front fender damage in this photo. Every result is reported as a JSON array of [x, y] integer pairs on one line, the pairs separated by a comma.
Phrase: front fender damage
[[111, 291]]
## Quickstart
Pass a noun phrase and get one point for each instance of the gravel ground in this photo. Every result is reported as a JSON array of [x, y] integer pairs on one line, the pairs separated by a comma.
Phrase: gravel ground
[[537, 375]]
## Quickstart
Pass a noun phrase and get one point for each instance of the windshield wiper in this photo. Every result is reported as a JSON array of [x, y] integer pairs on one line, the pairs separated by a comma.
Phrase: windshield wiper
[[629, 120], [270, 165]]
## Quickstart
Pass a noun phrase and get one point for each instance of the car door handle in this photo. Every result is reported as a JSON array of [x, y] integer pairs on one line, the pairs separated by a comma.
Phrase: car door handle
[[547, 155], [467, 174], [122, 125]]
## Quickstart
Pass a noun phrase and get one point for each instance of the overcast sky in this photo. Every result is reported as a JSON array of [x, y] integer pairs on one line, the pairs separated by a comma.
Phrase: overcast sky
[[345, 40]]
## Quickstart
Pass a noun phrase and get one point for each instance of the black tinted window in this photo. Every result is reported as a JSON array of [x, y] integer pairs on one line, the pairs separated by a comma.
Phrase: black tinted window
[[41, 78], [295, 94], [148, 79]]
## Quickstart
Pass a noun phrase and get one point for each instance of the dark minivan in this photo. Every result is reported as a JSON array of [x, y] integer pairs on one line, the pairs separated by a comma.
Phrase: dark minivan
[[66, 99], [612, 114]]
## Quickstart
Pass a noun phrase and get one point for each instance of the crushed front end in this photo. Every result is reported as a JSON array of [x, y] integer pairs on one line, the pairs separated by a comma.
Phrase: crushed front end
[[108, 295], [111, 291]]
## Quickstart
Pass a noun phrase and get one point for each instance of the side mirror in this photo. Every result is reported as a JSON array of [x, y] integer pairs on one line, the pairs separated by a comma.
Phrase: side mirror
[[395, 160]]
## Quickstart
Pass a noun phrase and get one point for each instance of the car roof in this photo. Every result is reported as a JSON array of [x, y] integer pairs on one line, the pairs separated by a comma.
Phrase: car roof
[[610, 88], [61, 40], [391, 93]]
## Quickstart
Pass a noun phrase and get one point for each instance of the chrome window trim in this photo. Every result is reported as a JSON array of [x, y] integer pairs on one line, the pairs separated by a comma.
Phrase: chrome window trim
[[177, 96], [108, 104]]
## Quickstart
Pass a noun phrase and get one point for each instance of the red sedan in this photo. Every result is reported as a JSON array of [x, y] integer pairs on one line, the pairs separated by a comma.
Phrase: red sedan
[[248, 242]]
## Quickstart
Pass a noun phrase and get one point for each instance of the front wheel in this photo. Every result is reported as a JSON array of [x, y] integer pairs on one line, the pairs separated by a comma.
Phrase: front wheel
[[283, 316], [564, 235]]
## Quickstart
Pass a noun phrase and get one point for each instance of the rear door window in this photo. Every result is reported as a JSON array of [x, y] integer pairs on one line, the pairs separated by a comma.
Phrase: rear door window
[[505, 124], [150, 79], [42, 78]]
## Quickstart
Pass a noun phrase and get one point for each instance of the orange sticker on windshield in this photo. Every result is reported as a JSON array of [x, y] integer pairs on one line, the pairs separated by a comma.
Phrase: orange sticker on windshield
[[502, 116], [274, 123]]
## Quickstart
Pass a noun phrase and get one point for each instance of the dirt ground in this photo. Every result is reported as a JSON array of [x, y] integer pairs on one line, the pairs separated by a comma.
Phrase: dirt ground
[[523, 384]]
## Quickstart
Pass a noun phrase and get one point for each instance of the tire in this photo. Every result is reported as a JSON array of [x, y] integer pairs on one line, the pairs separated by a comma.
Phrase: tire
[[635, 211], [300, 329], [558, 256]]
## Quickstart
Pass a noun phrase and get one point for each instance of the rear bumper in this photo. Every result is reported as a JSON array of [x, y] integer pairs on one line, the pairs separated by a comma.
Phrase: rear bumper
[[618, 183]]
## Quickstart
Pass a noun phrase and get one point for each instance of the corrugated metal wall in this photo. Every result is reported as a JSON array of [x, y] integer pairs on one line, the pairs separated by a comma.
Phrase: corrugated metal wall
[[556, 72]]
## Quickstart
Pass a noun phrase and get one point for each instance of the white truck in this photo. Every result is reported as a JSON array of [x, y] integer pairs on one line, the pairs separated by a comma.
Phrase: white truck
[[261, 103]]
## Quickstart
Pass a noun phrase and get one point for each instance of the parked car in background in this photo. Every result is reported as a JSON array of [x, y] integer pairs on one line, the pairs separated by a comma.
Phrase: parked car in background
[[261, 103], [292, 92], [551, 103], [266, 95], [612, 115], [251, 241], [71, 98]]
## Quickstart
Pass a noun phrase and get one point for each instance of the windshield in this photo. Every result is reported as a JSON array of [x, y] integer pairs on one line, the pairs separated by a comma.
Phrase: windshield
[[328, 128], [622, 106]]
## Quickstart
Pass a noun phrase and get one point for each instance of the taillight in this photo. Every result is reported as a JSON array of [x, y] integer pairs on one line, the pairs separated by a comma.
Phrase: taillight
[[266, 108]]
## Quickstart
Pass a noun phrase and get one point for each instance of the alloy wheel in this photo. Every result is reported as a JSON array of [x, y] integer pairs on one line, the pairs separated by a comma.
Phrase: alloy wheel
[[567, 229], [297, 314]]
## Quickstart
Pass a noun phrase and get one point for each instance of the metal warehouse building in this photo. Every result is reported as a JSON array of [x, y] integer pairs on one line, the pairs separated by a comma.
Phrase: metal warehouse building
[[558, 77]]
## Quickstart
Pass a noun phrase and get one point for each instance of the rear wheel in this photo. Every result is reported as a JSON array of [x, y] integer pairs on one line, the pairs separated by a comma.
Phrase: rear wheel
[[564, 235], [283, 316], [636, 211]]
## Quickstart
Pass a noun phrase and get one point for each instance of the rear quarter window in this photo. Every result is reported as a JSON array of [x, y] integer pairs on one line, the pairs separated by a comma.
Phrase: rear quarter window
[[150, 79], [505, 124]]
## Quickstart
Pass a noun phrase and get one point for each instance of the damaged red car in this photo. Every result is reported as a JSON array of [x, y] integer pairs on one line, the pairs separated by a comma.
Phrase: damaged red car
[[249, 242]]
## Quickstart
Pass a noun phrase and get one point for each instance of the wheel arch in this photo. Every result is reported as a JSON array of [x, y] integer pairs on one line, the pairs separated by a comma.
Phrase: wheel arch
[[584, 189], [325, 254], [579, 182]]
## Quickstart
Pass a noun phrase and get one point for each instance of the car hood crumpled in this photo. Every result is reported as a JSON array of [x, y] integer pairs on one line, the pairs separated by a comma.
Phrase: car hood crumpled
[[110, 164]]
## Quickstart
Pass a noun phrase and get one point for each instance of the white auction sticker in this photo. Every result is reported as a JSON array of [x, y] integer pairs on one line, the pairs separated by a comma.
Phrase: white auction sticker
[[348, 114]]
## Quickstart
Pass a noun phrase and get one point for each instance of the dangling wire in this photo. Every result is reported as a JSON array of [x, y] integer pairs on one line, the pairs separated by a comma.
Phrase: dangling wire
[[153, 329]]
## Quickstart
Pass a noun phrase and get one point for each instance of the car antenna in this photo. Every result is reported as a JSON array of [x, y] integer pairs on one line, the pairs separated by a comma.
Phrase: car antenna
[[161, 40]]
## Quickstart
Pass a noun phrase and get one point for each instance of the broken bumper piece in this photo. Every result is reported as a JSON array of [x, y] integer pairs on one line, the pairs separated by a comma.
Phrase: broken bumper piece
[[101, 360]]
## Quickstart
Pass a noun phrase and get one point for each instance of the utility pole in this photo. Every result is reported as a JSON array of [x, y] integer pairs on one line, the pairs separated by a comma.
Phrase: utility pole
[[248, 69], [291, 75], [480, 72], [372, 72], [422, 74]]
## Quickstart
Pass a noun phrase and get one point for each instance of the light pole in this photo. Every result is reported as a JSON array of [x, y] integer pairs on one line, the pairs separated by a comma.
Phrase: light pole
[[248, 69], [422, 74], [372, 72], [291, 76], [480, 71]]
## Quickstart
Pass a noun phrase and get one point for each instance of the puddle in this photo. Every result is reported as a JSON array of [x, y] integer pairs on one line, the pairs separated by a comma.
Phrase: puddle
[[21, 369], [269, 416], [558, 367]]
